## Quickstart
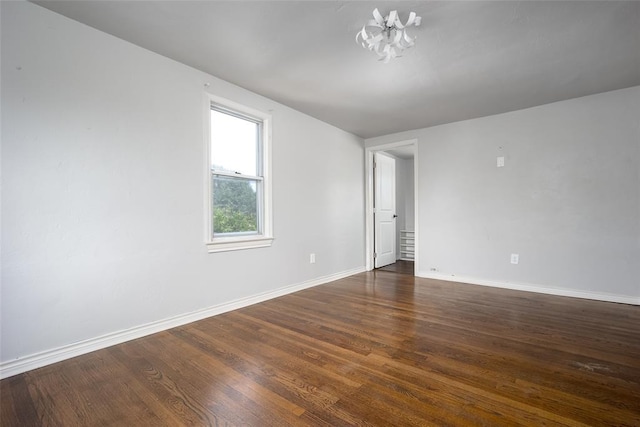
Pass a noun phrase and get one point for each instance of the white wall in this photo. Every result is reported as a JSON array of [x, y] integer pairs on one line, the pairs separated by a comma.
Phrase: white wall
[[404, 198], [103, 191], [401, 195], [567, 200], [409, 194]]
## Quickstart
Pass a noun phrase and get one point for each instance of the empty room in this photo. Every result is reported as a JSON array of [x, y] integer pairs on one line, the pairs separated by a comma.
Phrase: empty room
[[320, 213]]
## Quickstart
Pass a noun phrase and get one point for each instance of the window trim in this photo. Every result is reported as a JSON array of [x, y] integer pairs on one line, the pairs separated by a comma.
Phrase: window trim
[[238, 242]]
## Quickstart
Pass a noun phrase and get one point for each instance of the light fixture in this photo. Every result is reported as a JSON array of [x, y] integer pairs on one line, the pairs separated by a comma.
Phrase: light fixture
[[387, 36]]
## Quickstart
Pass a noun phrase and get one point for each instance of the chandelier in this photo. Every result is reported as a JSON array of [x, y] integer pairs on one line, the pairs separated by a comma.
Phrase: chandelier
[[387, 36]]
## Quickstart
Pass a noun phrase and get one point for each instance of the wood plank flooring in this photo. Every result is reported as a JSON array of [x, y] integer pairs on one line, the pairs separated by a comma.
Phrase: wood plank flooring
[[400, 266], [377, 348]]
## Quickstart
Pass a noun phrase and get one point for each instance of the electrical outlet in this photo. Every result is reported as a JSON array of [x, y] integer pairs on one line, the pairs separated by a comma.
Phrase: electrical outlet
[[312, 258], [515, 258]]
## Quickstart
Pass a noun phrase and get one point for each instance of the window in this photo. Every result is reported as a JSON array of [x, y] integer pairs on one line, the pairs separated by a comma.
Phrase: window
[[238, 187]]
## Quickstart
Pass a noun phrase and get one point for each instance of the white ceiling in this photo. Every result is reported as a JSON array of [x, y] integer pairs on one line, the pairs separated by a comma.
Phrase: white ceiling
[[472, 58]]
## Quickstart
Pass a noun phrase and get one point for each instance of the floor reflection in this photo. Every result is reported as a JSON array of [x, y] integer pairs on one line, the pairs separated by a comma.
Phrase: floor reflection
[[400, 267]]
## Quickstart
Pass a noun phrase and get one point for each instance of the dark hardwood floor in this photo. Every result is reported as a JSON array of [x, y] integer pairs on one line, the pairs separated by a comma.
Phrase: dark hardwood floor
[[376, 348], [400, 266]]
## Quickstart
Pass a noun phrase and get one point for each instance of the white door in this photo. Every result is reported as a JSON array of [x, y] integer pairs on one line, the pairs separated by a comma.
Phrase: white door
[[384, 210]]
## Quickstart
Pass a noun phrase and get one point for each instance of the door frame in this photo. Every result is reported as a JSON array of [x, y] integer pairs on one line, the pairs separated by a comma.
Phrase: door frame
[[369, 225]]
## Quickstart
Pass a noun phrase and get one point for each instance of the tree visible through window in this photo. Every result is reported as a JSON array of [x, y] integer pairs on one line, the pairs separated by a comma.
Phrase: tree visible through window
[[236, 172], [235, 208], [239, 192]]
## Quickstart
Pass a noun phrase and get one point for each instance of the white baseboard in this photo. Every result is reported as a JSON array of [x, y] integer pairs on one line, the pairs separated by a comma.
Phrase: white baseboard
[[38, 360], [623, 299]]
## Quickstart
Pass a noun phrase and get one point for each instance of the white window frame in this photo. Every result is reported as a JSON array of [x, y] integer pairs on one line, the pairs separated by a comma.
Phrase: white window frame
[[239, 241]]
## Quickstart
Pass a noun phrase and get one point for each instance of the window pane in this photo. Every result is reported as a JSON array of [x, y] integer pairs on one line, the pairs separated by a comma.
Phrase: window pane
[[234, 144], [235, 202]]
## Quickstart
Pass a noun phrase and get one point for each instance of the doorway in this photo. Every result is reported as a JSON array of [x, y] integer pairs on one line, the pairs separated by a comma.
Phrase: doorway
[[404, 236]]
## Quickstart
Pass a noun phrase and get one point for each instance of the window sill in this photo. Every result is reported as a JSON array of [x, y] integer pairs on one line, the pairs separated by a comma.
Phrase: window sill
[[238, 243]]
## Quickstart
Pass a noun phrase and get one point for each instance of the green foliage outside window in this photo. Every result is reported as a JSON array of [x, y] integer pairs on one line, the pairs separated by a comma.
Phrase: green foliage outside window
[[234, 205]]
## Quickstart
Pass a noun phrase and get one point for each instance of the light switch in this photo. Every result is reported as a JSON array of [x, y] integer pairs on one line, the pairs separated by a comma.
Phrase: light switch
[[500, 162]]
